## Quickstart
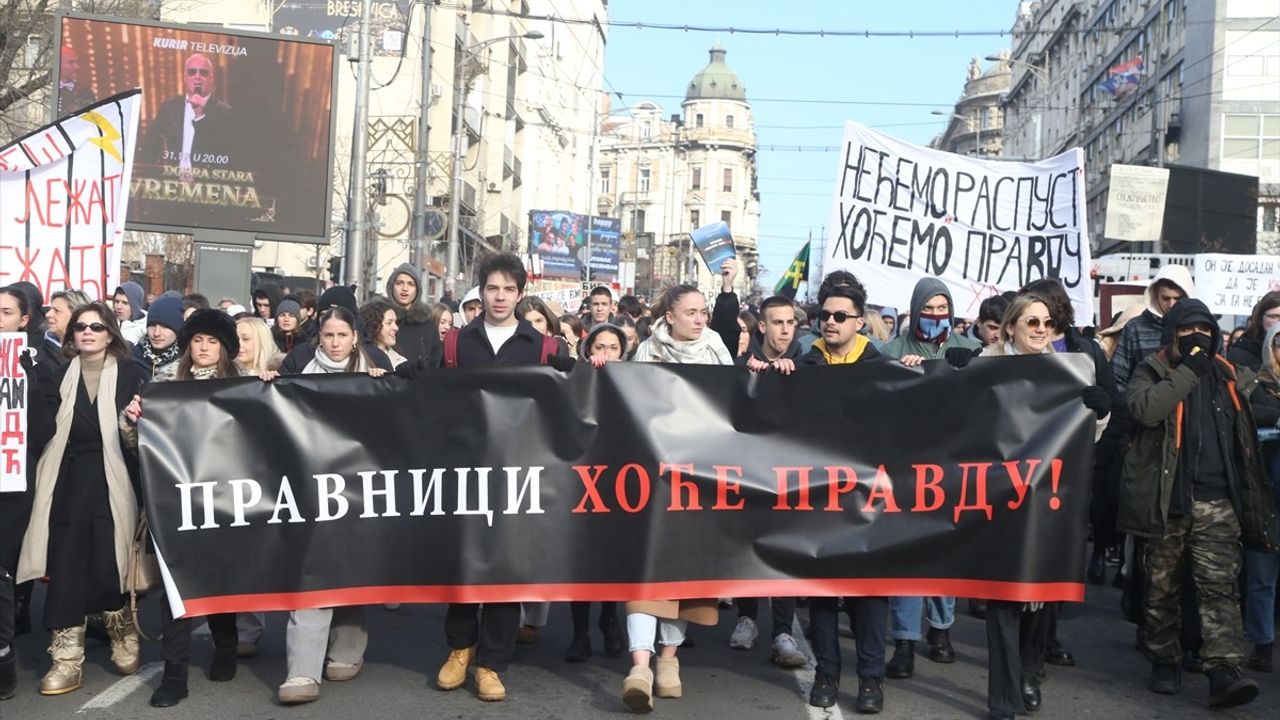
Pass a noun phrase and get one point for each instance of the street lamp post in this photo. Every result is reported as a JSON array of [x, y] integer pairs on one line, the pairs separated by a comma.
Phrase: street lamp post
[[460, 91], [975, 127]]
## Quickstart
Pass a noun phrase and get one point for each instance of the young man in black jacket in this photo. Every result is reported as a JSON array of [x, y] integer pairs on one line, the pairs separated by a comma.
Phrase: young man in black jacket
[[497, 337]]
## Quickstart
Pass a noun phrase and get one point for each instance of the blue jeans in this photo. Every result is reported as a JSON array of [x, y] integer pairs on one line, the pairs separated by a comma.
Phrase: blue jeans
[[905, 612], [1261, 570]]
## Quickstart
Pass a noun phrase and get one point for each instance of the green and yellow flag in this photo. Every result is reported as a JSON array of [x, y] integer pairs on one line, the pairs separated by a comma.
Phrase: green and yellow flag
[[797, 273]]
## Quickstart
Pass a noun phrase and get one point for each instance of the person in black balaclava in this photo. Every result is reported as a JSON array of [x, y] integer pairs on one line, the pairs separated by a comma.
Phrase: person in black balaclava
[[1195, 488]]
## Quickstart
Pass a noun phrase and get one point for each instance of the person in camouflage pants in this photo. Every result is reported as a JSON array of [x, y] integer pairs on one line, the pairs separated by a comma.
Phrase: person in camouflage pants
[[1193, 487], [1209, 538]]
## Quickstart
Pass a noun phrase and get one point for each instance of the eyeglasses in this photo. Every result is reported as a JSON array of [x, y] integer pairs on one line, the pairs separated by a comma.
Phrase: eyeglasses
[[96, 327], [1034, 323], [202, 72], [839, 316]]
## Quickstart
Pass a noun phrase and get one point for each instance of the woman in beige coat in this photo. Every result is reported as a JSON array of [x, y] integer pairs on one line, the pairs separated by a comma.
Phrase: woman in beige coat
[[85, 511]]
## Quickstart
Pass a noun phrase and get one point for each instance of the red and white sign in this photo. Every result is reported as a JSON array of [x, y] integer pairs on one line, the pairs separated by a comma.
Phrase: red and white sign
[[13, 413], [63, 199]]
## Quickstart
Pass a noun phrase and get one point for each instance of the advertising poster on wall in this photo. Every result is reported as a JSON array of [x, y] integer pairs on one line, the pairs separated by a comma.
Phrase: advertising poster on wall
[[559, 238]]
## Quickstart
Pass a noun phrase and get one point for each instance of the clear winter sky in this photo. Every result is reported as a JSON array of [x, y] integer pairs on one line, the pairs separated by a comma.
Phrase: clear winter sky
[[796, 187]]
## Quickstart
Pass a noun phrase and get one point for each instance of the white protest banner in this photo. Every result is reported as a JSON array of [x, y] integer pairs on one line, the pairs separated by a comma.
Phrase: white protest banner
[[568, 298], [1233, 284], [63, 194], [1135, 203], [13, 413], [902, 212]]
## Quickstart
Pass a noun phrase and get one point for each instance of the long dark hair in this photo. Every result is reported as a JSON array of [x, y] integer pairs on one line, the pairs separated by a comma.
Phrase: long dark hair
[[116, 347], [226, 367], [337, 312], [34, 337], [538, 305]]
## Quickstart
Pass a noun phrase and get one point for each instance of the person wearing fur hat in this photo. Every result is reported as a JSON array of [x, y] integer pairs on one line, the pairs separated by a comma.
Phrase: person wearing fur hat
[[418, 337], [158, 350], [208, 346], [287, 329]]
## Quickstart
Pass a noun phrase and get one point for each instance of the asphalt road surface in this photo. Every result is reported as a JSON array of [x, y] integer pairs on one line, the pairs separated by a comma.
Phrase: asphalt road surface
[[407, 645]]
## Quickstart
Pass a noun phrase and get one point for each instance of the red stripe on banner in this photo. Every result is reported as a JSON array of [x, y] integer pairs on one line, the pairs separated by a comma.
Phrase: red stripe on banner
[[372, 595]]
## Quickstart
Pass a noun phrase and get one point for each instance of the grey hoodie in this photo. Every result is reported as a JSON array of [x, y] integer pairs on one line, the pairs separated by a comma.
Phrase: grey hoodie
[[907, 344], [134, 292], [417, 311]]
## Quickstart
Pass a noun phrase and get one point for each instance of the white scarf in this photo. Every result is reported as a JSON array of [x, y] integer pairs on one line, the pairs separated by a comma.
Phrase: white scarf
[[322, 364], [708, 349]]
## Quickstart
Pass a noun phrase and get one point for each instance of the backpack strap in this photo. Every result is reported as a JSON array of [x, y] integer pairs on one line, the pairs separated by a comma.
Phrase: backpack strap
[[451, 348], [549, 347]]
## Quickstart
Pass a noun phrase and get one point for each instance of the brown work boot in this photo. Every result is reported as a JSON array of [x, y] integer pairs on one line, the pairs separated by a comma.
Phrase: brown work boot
[[489, 686], [637, 689], [67, 651], [666, 682], [454, 671], [125, 652]]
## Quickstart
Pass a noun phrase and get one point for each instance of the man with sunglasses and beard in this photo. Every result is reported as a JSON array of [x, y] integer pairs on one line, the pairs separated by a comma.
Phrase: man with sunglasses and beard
[[193, 129]]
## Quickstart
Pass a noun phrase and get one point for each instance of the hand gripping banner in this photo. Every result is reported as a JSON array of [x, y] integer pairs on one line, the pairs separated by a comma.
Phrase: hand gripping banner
[[633, 482]]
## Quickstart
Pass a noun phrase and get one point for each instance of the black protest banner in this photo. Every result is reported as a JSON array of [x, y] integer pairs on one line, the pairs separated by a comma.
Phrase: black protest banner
[[631, 482]]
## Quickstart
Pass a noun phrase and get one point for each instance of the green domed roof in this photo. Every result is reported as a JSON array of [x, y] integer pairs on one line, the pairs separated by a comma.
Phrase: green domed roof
[[716, 81]]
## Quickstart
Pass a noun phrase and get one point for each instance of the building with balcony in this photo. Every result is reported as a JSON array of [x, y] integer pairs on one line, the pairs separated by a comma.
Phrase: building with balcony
[[976, 126], [664, 176], [1208, 96]]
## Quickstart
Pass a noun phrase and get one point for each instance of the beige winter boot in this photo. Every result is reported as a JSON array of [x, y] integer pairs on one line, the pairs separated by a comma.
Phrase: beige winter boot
[[67, 651], [637, 689], [666, 682], [125, 652]]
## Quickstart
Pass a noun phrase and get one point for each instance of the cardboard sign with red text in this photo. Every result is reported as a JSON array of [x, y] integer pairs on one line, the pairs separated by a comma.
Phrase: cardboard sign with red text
[[63, 197]]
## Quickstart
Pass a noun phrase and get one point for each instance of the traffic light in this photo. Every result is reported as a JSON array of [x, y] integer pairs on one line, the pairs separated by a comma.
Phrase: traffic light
[[335, 269]]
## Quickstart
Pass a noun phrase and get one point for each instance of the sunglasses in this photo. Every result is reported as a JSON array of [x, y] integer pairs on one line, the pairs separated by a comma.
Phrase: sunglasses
[[202, 72], [1034, 323], [96, 327], [840, 316]]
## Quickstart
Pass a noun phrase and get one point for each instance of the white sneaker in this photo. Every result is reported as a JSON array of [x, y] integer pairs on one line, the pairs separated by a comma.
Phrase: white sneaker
[[787, 653], [297, 690], [744, 635]]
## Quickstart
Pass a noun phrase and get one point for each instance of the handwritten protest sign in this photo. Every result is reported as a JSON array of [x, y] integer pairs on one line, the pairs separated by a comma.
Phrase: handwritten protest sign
[[1135, 203], [64, 194], [1233, 284], [13, 414], [902, 212]]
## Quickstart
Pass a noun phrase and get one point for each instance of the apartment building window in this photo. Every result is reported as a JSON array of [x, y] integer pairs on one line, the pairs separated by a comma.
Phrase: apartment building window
[[1270, 217], [697, 120], [1251, 137], [695, 219], [606, 181], [642, 185], [726, 217], [695, 182], [637, 221], [646, 129], [728, 179], [728, 121]]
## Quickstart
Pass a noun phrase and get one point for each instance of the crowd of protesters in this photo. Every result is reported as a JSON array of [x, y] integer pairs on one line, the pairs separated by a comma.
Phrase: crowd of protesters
[[1183, 501]]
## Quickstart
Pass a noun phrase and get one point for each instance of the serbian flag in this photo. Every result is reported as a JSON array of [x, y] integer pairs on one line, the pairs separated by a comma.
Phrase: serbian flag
[[1124, 78], [65, 188], [797, 273]]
